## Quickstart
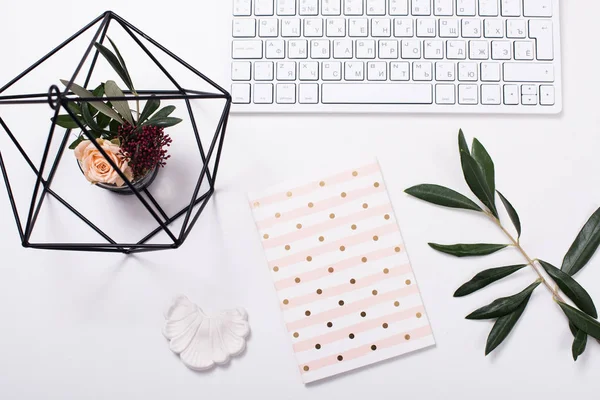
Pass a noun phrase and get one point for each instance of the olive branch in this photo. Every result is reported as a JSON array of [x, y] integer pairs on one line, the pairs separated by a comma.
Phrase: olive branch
[[479, 172]]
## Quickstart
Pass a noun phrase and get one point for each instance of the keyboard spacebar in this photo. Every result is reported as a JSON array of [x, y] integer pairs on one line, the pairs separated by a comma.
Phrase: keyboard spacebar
[[376, 93]]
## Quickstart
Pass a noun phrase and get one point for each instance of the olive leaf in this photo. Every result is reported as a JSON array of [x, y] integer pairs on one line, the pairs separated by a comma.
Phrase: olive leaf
[[112, 90], [164, 112], [122, 61], [115, 64], [571, 288], [89, 119], [442, 196], [504, 325], [163, 122], [484, 160], [65, 121], [151, 106], [512, 213], [579, 344], [76, 142], [462, 142], [584, 246], [581, 320], [477, 182], [504, 305], [486, 278], [99, 105], [468, 250]]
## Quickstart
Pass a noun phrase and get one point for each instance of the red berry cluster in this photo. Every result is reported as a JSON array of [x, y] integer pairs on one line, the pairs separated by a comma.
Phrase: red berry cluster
[[144, 147]]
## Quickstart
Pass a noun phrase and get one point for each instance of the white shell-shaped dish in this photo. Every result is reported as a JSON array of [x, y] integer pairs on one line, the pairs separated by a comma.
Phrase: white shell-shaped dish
[[201, 340]]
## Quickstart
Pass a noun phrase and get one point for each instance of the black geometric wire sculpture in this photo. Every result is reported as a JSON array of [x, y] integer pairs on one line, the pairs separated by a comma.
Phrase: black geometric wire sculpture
[[59, 100]]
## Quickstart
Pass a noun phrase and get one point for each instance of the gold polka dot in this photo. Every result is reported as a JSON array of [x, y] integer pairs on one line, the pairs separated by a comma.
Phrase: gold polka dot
[[376, 184], [365, 205], [386, 216], [306, 368], [341, 302], [297, 280], [363, 314], [266, 236], [299, 226], [340, 358], [286, 302], [385, 325], [419, 315], [329, 324], [321, 239], [353, 227], [373, 347], [351, 336], [397, 249], [322, 183], [342, 248], [289, 194], [319, 291], [307, 313], [276, 269], [330, 269], [396, 304], [375, 238], [353, 281], [374, 292], [287, 247], [311, 205], [343, 195], [332, 215], [354, 173], [364, 259], [277, 215], [408, 282], [407, 337], [296, 334], [317, 346], [309, 258], [386, 271]]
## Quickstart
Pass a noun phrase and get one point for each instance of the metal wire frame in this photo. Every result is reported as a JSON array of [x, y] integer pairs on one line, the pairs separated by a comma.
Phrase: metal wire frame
[[57, 100]]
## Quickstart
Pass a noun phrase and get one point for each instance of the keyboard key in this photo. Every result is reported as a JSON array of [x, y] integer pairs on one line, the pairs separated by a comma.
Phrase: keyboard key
[[308, 93], [240, 93], [528, 89], [547, 96], [511, 8], [422, 71], [528, 72], [449, 28], [434, 49], [290, 27], [456, 49], [493, 28], [240, 71], [353, 7], [358, 27], [516, 29], [421, 7], [275, 49], [403, 27], [332, 71], [336, 27], [398, 7], [467, 94], [411, 49], [443, 7], [381, 27], [501, 50], [511, 95], [541, 30], [523, 50], [263, 71], [309, 7], [268, 27], [263, 7], [465, 7], [354, 71], [490, 72], [313, 27], [297, 49], [377, 71], [286, 71], [375, 7], [331, 7], [244, 28], [377, 93], [479, 50], [286, 7], [399, 71], [319, 49], [444, 71], [242, 8], [426, 27], [529, 100], [537, 8], [263, 93], [471, 28], [467, 71], [488, 8], [445, 94], [247, 49], [388, 49], [490, 94], [309, 71], [286, 93], [342, 48]]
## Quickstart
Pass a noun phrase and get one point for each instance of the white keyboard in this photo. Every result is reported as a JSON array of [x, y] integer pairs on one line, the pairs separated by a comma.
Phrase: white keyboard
[[474, 56]]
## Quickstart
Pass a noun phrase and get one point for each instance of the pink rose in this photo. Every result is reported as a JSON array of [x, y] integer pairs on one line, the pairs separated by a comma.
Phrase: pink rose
[[96, 168]]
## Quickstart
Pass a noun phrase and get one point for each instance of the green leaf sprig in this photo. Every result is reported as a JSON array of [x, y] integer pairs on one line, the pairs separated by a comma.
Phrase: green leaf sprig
[[479, 173]]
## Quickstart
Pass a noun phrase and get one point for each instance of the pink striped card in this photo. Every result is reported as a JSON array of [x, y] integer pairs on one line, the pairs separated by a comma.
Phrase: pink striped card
[[344, 281]]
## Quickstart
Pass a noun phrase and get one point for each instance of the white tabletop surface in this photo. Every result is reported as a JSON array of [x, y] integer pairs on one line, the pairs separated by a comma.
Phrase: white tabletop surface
[[88, 326]]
